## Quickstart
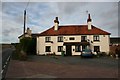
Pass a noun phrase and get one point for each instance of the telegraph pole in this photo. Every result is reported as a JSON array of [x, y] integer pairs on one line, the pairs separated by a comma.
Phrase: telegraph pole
[[24, 22], [25, 18]]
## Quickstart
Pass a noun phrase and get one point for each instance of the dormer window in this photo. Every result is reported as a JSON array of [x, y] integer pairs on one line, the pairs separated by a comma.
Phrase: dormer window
[[47, 39]]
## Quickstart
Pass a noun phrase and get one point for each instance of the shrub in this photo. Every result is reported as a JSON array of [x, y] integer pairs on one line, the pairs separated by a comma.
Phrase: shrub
[[100, 54], [28, 45]]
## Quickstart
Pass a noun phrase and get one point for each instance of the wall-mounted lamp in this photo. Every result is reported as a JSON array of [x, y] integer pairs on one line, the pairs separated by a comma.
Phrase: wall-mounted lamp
[[51, 41]]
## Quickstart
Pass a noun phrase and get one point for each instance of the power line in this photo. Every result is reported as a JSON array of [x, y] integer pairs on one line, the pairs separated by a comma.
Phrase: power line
[[27, 4]]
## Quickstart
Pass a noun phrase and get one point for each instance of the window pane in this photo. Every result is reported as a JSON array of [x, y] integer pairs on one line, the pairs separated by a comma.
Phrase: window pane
[[96, 48], [96, 37], [77, 48], [48, 49], [60, 39], [83, 38], [60, 48], [47, 39], [84, 47], [71, 38]]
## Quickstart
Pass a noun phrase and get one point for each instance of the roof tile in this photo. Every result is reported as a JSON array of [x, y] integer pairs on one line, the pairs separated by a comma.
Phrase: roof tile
[[74, 30]]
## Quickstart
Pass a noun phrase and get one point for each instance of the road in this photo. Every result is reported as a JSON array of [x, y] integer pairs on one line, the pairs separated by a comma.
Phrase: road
[[0, 60], [74, 60], [6, 55], [63, 67]]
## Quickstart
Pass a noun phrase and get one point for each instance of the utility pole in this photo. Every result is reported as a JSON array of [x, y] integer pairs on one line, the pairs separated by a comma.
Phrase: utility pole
[[24, 23]]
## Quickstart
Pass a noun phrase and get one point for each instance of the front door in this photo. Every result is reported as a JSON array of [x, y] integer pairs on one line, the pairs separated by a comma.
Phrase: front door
[[68, 50]]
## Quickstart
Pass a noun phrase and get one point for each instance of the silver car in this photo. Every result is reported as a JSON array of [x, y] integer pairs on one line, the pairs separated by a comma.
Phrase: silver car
[[87, 53]]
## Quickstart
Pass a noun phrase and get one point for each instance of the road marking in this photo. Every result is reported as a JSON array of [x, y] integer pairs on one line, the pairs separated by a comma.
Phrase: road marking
[[2, 71], [8, 58], [4, 66], [6, 62]]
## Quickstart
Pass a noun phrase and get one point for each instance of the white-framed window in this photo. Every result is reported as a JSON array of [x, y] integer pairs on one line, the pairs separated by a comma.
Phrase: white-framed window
[[47, 39], [83, 38], [60, 48], [96, 48], [47, 48], [71, 38], [96, 38], [60, 38]]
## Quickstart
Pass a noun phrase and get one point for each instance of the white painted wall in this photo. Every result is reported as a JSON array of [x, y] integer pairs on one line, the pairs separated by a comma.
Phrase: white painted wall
[[89, 25], [56, 26], [104, 44]]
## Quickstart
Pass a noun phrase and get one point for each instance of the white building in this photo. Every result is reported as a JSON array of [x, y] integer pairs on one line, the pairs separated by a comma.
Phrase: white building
[[72, 39]]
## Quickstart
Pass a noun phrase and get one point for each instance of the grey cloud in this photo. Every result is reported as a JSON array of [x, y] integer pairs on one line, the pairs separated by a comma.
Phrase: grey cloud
[[70, 7], [6, 33], [40, 16], [10, 31], [5, 39]]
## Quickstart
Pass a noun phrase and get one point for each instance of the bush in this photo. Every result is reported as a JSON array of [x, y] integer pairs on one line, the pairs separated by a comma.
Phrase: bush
[[16, 53], [28, 45], [23, 55], [100, 54]]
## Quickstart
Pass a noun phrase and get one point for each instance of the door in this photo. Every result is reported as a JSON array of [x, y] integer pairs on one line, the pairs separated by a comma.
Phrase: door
[[68, 50]]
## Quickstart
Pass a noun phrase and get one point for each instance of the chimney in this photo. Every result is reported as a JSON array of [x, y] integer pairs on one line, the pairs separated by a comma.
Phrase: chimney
[[29, 31], [89, 22], [56, 24]]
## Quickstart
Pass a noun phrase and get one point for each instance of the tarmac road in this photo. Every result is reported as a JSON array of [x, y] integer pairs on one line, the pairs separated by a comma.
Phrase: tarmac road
[[6, 55], [63, 67]]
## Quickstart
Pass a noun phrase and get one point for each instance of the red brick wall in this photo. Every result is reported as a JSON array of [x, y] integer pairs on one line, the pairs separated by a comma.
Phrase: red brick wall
[[113, 48]]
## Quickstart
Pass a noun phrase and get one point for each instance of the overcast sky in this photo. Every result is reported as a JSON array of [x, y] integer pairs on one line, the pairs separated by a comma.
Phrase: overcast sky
[[40, 16]]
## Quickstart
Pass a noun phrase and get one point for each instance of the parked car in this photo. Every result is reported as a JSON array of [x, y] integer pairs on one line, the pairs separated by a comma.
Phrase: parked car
[[87, 53]]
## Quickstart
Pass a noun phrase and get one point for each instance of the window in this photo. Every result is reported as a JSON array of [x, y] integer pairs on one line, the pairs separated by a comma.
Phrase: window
[[71, 38], [77, 48], [47, 39], [84, 47], [96, 48], [83, 38], [96, 37], [60, 38], [60, 48], [48, 49]]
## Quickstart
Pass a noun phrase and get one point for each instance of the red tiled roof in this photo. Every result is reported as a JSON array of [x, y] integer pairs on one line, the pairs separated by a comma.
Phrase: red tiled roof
[[74, 30]]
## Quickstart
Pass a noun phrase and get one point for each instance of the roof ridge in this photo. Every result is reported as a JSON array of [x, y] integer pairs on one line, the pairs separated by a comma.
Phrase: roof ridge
[[74, 25]]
